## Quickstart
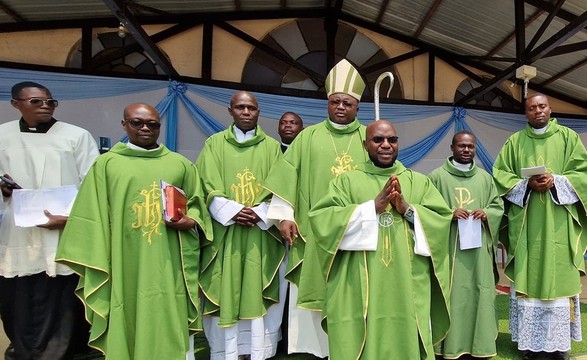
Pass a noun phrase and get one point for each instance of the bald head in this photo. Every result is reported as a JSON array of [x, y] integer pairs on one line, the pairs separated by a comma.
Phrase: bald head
[[244, 110], [382, 143], [142, 125]]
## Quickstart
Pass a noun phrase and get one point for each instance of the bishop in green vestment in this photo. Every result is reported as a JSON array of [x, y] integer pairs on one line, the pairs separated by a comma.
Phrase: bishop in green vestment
[[318, 154], [240, 268], [472, 195], [546, 229], [381, 231], [138, 273]]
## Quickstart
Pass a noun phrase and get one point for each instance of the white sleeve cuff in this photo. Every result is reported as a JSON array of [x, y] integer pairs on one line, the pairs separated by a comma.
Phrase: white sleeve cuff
[[420, 242], [363, 230], [517, 193], [261, 211], [223, 210], [564, 191], [280, 209]]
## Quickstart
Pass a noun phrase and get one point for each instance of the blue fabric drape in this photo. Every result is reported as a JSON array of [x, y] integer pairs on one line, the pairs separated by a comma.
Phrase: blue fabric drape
[[73, 87]]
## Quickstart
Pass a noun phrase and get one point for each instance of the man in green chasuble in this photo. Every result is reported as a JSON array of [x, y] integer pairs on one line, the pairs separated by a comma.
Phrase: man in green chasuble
[[386, 257], [243, 269], [473, 197], [542, 173], [138, 272], [320, 153]]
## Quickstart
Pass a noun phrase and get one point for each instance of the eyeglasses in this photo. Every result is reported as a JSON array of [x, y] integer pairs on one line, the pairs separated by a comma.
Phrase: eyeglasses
[[39, 102], [380, 139], [335, 103], [139, 124]]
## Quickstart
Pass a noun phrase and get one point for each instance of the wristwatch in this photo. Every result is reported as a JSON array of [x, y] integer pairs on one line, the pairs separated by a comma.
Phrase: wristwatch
[[409, 214]]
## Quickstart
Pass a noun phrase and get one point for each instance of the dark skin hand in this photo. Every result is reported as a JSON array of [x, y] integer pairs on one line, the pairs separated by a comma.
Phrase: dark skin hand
[[391, 194], [6, 190], [289, 231], [477, 214], [246, 217], [55, 222], [184, 223], [541, 183]]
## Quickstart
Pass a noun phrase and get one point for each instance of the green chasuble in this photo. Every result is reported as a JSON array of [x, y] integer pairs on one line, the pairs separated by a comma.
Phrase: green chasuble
[[138, 277], [474, 273], [318, 154], [382, 304], [546, 242], [240, 267]]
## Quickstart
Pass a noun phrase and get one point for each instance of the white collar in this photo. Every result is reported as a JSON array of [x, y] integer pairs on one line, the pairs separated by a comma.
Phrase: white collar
[[136, 147], [539, 131], [243, 136], [461, 167]]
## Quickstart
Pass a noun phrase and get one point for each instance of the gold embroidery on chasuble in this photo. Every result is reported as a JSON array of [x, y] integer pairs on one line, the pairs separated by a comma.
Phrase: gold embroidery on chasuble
[[343, 160], [463, 197], [386, 220], [246, 190], [539, 162], [147, 213]]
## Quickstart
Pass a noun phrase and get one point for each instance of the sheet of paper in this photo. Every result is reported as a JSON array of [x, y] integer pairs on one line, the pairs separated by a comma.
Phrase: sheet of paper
[[29, 204], [470, 233], [534, 170]]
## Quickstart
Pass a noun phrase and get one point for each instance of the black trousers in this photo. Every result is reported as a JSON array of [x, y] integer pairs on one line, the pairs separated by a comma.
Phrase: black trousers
[[42, 317]]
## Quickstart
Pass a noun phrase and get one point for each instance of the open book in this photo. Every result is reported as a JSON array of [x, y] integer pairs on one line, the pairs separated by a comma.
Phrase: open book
[[172, 198]]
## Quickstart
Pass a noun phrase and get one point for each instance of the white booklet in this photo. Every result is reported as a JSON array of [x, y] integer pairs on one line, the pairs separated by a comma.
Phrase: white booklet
[[534, 170], [469, 233], [29, 204]]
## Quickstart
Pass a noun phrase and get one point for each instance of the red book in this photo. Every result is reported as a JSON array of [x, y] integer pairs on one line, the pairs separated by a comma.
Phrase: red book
[[173, 198]]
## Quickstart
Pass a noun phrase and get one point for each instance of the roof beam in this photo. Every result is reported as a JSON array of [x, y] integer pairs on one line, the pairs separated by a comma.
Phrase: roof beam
[[564, 34], [564, 72], [130, 48], [566, 49], [139, 34], [478, 78], [549, 7], [427, 18], [509, 38], [382, 10], [314, 76], [139, 7], [545, 25], [390, 62], [13, 14]]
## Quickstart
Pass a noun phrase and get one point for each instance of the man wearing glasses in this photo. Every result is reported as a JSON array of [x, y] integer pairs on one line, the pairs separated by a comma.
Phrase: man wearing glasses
[[40, 313], [139, 272], [320, 153], [388, 281]]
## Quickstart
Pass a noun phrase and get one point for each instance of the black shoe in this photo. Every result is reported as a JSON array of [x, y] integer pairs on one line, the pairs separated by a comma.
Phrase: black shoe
[[10, 353], [560, 355], [529, 355]]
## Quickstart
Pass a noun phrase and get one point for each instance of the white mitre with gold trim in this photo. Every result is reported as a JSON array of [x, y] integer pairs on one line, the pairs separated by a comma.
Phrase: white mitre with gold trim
[[344, 78]]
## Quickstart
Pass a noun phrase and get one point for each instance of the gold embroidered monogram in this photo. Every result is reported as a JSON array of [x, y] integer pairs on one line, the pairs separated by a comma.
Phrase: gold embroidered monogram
[[343, 160], [463, 197], [148, 213], [247, 189]]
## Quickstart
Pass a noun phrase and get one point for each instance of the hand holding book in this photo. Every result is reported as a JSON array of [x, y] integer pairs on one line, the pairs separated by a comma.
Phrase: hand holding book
[[173, 202]]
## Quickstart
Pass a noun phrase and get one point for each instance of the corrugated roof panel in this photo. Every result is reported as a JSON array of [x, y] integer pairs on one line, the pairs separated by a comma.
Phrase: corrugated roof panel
[[40, 10], [467, 29]]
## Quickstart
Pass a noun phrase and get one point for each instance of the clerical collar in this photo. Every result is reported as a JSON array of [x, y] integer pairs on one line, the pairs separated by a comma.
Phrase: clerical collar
[[339, 126], [136, 147], [242, 136], [539, 131], [284, 145], [461, 167], [42, 128]]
